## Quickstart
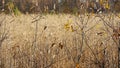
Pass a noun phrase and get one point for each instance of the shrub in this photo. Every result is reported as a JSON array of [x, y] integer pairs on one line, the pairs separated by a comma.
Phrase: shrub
[[117, 6]]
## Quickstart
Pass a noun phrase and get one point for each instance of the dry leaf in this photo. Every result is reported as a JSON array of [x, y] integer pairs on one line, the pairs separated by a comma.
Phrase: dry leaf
[[60, 45], [45, 27], [52, 45]]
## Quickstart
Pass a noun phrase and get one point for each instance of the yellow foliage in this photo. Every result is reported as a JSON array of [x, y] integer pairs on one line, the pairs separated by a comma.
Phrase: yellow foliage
[[10, 6], [16, 11], [107, 6], [101, 2], [68, 26]]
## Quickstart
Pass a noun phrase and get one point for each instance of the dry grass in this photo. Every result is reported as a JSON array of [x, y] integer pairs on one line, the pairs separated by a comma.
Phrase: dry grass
[[58, 41]]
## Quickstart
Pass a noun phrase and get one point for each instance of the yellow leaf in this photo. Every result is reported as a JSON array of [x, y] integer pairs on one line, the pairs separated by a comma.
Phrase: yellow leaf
[[107, 6], [67, 26]]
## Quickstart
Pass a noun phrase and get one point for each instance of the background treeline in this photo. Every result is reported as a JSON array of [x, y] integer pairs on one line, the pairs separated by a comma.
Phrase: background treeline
[[57, 6]]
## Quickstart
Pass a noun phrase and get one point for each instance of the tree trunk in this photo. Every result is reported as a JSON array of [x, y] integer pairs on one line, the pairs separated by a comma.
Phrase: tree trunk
[[3, 5]]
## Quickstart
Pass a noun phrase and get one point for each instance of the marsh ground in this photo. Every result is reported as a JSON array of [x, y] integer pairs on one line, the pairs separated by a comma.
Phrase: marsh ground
[[59, 41]]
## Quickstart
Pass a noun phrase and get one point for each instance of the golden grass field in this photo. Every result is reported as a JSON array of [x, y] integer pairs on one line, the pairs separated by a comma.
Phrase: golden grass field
[[58, 41]]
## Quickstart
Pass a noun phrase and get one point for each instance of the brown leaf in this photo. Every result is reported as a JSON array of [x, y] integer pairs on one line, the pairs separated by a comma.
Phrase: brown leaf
[[52, 45], [60, 45], [45, 27]]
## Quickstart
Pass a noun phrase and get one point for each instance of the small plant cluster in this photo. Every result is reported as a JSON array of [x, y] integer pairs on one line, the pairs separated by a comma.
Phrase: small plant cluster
[[11, 8]]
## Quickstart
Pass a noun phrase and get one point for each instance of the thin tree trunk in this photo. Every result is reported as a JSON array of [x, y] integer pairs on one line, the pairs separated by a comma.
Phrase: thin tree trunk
[[119, 54]]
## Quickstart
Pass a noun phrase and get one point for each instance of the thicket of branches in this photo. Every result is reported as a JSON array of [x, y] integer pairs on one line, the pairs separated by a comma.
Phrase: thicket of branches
[[34, 6]]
